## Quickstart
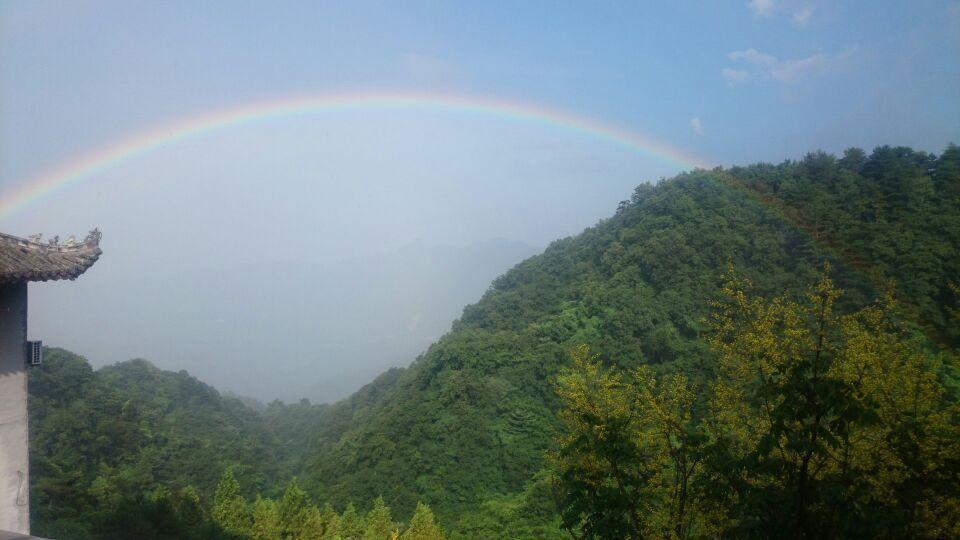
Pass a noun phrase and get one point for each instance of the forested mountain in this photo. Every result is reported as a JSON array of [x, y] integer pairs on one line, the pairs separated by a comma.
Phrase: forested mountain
[[131, 451], [102, 442], [471, 419], [467, 427]]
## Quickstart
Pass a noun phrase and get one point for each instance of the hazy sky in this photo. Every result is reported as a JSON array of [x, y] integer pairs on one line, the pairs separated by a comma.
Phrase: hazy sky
[[732, 82]]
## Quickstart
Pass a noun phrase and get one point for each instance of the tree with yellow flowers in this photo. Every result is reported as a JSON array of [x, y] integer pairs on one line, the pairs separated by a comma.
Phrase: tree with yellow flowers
[[818, 424], [630, 452], [825, 424]]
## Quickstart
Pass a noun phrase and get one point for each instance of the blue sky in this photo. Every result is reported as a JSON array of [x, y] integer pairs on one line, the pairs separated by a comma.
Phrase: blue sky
[[842, 73], [825, 74], [735, 82]]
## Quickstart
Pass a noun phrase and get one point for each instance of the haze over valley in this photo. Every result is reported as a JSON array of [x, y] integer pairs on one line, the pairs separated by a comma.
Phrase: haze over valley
[[280, 330]]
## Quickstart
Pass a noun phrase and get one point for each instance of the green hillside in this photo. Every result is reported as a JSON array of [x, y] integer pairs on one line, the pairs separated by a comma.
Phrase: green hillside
[[103, 442], [466, 428]]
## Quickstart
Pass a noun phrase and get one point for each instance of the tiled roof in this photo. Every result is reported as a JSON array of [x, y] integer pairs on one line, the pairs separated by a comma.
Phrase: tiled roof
[[33, 260]]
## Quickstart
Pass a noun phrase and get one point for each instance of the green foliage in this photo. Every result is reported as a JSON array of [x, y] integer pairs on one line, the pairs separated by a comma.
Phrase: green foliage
[[471, 420], [120, 452], [467, 426], [423, 526], [230, 510], [351, 523], [294, 511], [266, 523], [818, 425], [630, 452], [313, 526], [530, 513], [829, 425], [379, 524]]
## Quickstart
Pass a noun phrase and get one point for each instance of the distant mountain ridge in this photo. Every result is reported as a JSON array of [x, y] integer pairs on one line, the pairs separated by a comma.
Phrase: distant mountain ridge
[[317, 328], [404, 300]]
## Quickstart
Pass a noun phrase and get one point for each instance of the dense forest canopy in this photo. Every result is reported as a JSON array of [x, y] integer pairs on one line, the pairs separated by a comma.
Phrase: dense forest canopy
[[814, 425], [467, 428]]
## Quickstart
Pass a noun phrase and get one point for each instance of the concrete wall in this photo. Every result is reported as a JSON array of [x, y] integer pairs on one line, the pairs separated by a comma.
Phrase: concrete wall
[[14, 465]]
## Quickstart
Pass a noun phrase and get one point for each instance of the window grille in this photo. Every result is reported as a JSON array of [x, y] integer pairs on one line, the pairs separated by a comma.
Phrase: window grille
[[35, 353]]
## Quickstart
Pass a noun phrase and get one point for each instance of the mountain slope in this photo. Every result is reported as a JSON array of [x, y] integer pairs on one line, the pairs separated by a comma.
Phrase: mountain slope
[[471, 419], [101, 442]]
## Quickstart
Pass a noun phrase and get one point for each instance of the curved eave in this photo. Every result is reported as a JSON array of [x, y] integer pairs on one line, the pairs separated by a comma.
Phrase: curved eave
[[28, 260]]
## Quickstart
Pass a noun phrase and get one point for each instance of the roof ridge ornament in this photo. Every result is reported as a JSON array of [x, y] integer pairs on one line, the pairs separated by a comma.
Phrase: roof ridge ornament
[[34, 259], [93, 237]]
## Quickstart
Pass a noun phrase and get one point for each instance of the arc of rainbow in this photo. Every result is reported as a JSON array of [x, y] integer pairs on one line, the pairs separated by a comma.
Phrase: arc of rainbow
[[89, 165]]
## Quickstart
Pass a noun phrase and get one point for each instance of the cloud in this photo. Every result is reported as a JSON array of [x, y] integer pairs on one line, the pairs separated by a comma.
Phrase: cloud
[[761, 8], [753, 56], [792, 70], [734, 76], [765, 66], [696, 126], [802, 16]]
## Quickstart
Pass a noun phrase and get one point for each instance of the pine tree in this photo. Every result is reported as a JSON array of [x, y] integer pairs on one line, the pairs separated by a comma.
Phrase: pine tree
[[379, 523], [312, 527], [331, 522], [351, 525], [230, 510], [293, 510], [266, 520], [188, 509], [423, 526]]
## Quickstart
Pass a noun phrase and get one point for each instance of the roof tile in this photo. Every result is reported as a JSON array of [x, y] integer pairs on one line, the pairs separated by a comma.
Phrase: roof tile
[[31, 260]]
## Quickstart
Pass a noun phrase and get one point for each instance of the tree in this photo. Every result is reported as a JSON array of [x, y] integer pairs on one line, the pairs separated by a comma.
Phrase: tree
[[602, 469], [266, 520], [828, 425], [379, 523], [466, 425], [294, 509], [629, 453], [312, 527], [331, 521], [423, 525], [819, 424], [853, 159], [351, 524], [230, 510]]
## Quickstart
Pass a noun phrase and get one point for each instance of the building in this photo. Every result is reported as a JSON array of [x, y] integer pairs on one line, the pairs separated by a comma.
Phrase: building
[[22, 261]]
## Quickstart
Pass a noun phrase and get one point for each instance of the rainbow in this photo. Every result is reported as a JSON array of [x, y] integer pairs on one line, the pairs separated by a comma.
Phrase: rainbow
[[88, 166]]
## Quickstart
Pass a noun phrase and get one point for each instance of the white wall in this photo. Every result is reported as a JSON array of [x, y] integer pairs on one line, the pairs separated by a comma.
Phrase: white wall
[[14, 465]]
